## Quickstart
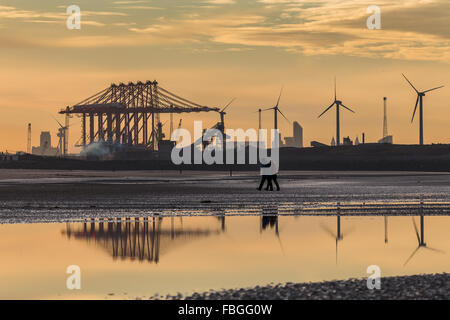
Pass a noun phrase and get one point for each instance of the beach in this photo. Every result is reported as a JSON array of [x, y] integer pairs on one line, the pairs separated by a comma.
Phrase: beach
[[28, 196], [419, 287], [187, 235]]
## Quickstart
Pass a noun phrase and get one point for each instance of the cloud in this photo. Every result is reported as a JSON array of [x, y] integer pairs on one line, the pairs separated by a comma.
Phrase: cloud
[[138, 8], [220, 1], [130, 2], [316, 27]]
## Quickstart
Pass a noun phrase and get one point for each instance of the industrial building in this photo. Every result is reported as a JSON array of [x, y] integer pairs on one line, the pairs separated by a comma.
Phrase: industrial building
[[45, 148], [297, 140]]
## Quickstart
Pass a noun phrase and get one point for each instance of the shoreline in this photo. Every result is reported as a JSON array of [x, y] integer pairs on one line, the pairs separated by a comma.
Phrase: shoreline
[[41, 196], [423, 287]]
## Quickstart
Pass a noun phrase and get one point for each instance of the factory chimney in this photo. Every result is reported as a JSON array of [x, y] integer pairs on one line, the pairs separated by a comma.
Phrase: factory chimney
[[29, 139], [385, 129]]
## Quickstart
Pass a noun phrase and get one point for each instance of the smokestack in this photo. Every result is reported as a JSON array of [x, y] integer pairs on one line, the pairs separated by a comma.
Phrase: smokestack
[[385, 129], [363, 138], [29, 139]]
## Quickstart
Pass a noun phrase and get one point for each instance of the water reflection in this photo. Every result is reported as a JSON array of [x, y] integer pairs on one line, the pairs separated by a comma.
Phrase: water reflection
[[220, 251], [142, 239], [420, 239], [147, 239]]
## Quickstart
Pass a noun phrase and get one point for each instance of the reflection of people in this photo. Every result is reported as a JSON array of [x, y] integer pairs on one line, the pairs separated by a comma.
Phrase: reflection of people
[[268, 221], [265, 172]]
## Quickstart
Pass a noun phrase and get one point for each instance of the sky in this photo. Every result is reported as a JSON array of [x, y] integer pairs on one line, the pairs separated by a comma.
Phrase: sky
[[211, 51]]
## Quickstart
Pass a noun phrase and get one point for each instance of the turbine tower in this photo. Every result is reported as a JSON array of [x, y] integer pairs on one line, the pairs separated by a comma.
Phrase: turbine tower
[[29, 139], [62, 135], [420, 95], [222, 116], [338, 104]]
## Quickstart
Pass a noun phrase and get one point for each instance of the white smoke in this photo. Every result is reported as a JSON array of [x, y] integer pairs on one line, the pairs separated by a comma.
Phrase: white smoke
[[99, 150]]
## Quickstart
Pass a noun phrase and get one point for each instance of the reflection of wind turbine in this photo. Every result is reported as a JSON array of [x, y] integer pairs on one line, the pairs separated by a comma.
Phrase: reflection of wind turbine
[[276, 110], [420, 95], [338, 236], [385, 229], [420, 239], [338, 104]]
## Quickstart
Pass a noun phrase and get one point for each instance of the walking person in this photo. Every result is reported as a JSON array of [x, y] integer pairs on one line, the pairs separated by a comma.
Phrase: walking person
[[274, 167], [265, 172]]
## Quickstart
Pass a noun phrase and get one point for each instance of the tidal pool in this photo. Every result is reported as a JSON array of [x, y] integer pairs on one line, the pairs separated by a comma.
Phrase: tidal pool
[[138, 258]]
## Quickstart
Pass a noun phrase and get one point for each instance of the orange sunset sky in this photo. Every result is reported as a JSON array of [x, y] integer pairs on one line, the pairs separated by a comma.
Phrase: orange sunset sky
[[210, 51]]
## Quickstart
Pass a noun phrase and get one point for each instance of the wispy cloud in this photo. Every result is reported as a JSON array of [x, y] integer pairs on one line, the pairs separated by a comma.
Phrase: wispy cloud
[[220, 1], [315, 27]]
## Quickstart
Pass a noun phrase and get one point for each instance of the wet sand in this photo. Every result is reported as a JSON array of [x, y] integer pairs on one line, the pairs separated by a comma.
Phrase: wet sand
[[28, 196], [419, 287]]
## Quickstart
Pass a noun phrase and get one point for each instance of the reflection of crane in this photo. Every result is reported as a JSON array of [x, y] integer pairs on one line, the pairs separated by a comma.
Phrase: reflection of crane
[[136, 239]]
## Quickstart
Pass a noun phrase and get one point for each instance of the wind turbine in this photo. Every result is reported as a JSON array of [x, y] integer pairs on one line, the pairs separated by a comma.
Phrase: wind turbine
[[62, 135], [338, 104], [222, 115], [420, 95], [276, 110]]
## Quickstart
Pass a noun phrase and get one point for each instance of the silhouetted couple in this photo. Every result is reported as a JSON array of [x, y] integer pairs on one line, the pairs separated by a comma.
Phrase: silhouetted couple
[[268, 172]]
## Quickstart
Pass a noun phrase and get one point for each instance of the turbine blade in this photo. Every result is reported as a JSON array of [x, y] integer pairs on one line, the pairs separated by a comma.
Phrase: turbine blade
[[433, 89], [284, 115], [435, 250], [327, 230], [57, 121], [326, 110], [410, 83], [335, 89], [417, 231], [279, 97], [347, 108], [412, 255], [232, 100], [268, 109], [415, 108]]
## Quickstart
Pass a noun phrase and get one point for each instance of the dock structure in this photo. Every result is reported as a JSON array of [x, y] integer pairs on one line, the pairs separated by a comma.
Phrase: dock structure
[[129, 114]]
